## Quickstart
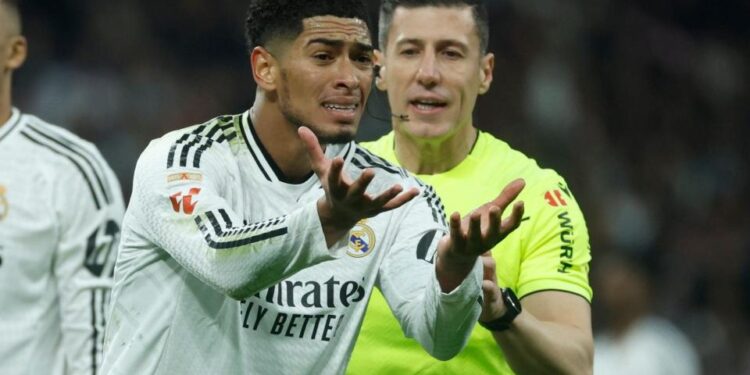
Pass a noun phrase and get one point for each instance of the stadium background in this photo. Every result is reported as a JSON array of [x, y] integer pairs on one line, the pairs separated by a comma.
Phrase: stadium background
[[641, 104]]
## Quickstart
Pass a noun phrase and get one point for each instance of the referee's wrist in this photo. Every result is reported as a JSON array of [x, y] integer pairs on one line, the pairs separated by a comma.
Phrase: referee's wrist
[[496, 314], [512, 308]]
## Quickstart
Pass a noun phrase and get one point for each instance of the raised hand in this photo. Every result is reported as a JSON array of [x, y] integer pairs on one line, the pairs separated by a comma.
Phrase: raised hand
[[477, 233], [346, 201]]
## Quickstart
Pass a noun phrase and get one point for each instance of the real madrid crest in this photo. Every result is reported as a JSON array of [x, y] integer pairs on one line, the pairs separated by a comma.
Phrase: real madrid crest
[[361, 240], [4, 206]]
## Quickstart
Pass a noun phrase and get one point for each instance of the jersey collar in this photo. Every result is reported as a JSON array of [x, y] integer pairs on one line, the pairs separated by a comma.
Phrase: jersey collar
[[268, 167]]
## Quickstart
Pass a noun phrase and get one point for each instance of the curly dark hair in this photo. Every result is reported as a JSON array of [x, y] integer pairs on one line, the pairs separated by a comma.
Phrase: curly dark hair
[[269, 19], [478, 7]]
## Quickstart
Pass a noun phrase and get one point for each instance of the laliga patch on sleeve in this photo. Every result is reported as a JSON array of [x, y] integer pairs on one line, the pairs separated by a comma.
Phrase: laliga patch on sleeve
[[184, 176]]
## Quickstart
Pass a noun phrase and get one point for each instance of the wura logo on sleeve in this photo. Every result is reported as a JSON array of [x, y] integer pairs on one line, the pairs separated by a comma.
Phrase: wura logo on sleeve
[[555, 198], [361, 240], [4, 206], [185, 203]]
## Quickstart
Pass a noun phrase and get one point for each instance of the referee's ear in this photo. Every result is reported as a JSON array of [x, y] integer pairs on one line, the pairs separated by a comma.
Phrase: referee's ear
[[485, 73], [15, 53], [263, 65], [380, 81]]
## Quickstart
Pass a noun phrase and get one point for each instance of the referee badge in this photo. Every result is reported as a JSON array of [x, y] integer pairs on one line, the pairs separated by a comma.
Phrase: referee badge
[[361, 240], [4, 206]]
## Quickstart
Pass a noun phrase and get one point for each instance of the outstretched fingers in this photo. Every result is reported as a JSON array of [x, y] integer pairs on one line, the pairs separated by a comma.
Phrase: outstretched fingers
[[400, 198], [456, 232], [493, 228], [474, 234], [387, 195], [337, 185], [509, 193], [514, 220], [359, 186]]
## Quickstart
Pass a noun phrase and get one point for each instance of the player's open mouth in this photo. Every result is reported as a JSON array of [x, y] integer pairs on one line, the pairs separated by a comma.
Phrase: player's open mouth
[[341, 107], [344, 111]]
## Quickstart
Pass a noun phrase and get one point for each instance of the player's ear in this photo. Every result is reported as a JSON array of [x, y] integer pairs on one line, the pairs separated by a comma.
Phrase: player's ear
[[485, 73], [264, 67], [15, 53], [380, 81]]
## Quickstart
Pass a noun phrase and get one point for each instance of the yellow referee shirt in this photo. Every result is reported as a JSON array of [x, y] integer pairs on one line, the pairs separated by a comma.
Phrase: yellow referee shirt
[[549, 251]]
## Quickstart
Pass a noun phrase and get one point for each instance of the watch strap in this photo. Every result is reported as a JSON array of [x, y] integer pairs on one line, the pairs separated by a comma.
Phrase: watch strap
[[513, 308]]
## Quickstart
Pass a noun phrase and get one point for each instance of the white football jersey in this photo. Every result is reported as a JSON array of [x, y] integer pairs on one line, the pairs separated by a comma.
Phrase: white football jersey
[[224, 269], [60, 215]]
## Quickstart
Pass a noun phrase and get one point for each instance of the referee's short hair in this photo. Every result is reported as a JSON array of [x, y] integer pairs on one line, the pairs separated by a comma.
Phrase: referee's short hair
[[269, 19], [481, 19]]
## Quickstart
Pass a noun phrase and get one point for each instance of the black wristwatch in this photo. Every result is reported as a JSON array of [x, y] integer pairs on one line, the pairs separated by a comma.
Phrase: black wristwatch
[[513, 306]]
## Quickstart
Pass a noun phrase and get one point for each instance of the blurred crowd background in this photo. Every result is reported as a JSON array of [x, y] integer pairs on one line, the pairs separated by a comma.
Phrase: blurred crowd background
[[643, 105]]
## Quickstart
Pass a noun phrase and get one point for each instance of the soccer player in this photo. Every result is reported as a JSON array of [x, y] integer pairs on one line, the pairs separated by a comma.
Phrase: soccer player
[[253, 241], [60, 214], [435, 65]]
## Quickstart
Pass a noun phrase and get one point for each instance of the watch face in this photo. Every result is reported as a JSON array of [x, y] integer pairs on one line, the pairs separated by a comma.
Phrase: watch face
[[512, 303], [511, 300]]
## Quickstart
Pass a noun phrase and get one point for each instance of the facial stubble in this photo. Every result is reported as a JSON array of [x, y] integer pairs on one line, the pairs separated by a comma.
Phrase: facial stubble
[[295, 117]]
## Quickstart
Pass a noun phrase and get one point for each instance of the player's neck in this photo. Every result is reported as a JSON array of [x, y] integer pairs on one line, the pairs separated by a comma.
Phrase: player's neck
[[427, 157], [281, 141], [5, 104]]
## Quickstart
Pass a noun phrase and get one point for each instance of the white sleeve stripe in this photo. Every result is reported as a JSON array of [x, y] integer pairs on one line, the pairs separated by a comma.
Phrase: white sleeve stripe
[[241, 230], [232, 230], [438, 212], [173, 149], [204, 135], [197, 138], [223, 137], [226, 218], [91, 159], [215, 244], [370, 159], [75, 163], [94, 331], [235, 235], [98, 322]]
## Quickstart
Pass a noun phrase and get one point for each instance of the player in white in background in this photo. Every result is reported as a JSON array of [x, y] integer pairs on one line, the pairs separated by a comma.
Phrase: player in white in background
[[60, 214], [250, 207]]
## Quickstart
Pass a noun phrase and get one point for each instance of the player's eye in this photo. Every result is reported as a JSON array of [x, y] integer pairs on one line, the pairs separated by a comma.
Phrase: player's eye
[[322, 56], [364, 59]]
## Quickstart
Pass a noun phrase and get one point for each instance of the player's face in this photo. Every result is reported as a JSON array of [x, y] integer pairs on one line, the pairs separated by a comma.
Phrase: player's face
[[325, 77], [434, 70]]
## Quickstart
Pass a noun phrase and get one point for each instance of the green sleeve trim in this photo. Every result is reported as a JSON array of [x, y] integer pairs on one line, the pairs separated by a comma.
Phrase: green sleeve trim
[[558, 285]]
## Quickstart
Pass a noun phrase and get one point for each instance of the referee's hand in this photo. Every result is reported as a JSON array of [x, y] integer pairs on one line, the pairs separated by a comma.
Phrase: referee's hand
[[346, 202]]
